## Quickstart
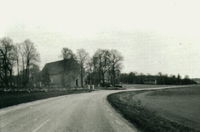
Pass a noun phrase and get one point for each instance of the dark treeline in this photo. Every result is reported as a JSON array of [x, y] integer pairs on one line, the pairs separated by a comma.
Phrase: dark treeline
[[162, 79]]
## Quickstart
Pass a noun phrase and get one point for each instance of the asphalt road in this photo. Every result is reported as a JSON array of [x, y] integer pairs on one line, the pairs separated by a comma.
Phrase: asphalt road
[[86, 112]]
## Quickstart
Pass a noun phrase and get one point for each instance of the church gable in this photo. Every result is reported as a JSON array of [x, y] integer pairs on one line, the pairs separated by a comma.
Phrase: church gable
[[65, 73]]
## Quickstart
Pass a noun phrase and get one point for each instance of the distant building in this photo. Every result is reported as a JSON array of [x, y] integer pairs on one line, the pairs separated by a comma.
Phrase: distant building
[[197, 80], [150, 81], [64, 73]]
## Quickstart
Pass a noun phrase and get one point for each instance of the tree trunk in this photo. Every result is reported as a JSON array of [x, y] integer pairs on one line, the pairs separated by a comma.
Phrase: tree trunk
[[10, 77], [99, 78], [82, 75], [23, 72], [103, 78], [27, 71], [17, 73], [6, 77], [114, 77]]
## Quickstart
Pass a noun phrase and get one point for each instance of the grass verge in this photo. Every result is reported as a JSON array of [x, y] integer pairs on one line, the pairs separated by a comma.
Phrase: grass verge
[[18, 97], [143, 118]]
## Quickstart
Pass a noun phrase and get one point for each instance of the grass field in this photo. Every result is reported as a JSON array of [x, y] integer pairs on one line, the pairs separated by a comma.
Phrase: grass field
[[161, 110], [17, 97], [180, 105]]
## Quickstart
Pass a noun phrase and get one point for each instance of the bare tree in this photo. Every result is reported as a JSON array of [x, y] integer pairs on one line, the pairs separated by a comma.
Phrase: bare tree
[[107, 66], [67, 54], [115, 64], [7, 60], [83, 58], [101, 61], [89, 70], [21, 58], [29, 57], [17, 59]]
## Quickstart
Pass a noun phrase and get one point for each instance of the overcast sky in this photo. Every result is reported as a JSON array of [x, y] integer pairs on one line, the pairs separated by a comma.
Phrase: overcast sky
[[152, 35]]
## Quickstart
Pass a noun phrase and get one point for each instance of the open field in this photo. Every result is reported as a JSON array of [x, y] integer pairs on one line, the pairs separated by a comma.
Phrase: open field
[[17, 97], [180, 105], [161, 110]]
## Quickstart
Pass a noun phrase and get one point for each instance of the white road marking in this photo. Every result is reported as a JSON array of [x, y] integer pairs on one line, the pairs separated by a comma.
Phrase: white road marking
[[40, 126]]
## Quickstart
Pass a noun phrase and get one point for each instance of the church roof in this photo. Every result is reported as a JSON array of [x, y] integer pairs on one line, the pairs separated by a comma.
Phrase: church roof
[[59, 67]]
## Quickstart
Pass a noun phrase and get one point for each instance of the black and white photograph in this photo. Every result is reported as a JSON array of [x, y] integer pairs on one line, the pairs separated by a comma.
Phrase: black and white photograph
[[99, 66]]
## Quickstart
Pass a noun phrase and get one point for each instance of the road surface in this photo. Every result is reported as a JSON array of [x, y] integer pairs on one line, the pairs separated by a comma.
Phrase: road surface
[[85, 112]]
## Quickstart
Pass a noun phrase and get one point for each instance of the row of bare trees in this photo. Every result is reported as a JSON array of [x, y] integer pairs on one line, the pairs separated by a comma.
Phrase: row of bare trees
[[18, 62], [103, 68], [107, 66]]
